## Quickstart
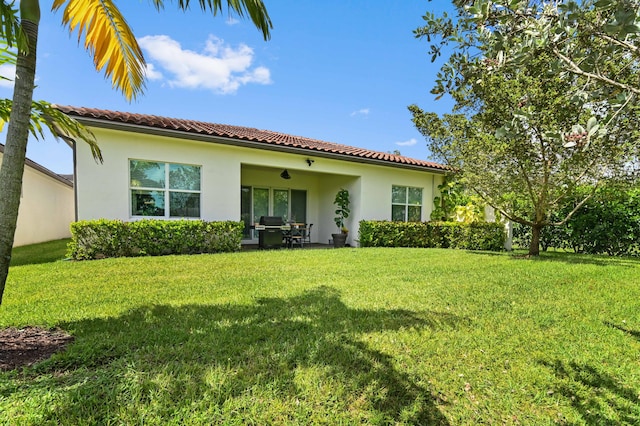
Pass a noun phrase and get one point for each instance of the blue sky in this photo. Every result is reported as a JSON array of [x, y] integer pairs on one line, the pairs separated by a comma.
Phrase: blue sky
[[336, 70]]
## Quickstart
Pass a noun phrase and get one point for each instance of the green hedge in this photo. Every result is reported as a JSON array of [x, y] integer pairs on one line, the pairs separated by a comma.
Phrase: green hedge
[[96, 239], [608, 223], [474, 236]]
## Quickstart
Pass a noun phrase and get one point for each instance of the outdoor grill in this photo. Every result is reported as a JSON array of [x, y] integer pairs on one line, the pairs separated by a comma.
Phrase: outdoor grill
[[270, 232]]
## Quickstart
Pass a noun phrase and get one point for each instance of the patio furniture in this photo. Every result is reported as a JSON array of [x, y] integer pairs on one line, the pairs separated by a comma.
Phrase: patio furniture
[[296, 235], [307, 234]]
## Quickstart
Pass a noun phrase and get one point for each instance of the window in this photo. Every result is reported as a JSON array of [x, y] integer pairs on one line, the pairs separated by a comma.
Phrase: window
[[406, 204], [164, 189]]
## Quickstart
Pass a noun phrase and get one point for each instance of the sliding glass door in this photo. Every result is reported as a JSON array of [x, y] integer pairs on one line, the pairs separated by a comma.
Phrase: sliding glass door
[[281, 204], [260, 203], [290, 204], [298, 206]]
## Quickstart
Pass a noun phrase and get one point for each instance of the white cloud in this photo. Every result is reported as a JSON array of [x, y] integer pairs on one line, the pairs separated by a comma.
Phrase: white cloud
[[363, 111], [232, 21], [410, 142], [219, 67], [152, 74], [8, 71]]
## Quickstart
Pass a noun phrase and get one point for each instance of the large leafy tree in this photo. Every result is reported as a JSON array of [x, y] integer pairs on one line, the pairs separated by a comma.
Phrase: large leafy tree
[[548, 89], [517, 146], [115, 50]]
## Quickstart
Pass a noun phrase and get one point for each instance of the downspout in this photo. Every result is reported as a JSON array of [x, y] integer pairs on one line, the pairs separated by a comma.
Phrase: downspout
[[75, 180], [433, 192]]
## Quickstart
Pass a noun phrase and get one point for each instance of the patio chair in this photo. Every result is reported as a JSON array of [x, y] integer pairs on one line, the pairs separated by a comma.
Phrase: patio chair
[[307, 234], [296, 236]]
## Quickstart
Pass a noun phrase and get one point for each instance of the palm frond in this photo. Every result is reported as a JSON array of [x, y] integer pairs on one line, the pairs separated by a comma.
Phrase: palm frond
[[109, 40], [10, 29], [159, 4], [254, 8], [64, 127], [46, 115], [8, 56]]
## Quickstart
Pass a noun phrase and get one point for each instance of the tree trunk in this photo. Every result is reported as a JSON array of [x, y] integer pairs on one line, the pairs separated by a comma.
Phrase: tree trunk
[[17, 136], [534, 248]]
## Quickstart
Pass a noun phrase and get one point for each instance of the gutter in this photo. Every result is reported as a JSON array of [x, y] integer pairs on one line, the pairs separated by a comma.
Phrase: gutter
[[179, 134]]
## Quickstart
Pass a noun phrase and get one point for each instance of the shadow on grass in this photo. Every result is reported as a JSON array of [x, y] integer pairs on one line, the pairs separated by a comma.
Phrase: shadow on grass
[[309, 356], [567, 257], [35, 254], [633, 333], [598, 397]]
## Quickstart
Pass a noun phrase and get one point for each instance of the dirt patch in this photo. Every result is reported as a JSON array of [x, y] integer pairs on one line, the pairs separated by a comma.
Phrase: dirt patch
[[26, 346]]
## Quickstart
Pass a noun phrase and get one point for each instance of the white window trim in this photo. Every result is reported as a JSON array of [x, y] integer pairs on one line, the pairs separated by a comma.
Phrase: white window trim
[[406, 204], [166, 190]]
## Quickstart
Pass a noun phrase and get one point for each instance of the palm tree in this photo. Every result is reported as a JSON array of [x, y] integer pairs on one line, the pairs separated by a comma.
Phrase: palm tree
[[114, 49]]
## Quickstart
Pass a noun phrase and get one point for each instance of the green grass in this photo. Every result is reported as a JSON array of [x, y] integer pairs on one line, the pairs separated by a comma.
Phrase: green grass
[[349, 336], [39, 253]]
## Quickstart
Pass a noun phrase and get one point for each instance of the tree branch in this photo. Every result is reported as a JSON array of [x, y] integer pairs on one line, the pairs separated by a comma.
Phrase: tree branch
[[576, 208], [618, 42], [577, 70]]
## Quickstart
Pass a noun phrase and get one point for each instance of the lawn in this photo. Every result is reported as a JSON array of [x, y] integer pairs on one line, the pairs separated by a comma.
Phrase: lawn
[[338, 336], [39, 253]]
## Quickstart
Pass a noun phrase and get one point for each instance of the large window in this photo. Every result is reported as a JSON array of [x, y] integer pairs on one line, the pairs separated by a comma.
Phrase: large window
[[164, 189], [406, 203]]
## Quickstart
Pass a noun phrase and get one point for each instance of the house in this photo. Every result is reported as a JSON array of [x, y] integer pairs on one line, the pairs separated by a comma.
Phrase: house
[[159, 167], [47, 205]]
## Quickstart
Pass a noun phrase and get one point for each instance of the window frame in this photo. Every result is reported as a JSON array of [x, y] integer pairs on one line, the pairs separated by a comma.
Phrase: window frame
[[166, 190], [406, 204]]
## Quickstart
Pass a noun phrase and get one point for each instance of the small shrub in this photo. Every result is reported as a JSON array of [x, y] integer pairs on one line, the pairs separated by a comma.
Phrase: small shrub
[[469, 236], [102, 238]]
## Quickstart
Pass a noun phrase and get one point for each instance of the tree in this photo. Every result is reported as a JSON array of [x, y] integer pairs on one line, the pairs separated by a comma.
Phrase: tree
[[524, 167], [114, 49], [540, 83], [609, 223], [593, 39]]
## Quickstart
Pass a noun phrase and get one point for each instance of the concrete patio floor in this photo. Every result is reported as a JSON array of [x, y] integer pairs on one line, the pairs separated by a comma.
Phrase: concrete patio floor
[[312, 246]]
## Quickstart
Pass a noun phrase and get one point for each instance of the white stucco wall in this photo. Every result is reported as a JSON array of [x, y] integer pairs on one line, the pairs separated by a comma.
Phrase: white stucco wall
[[46, 209], [103, 190]]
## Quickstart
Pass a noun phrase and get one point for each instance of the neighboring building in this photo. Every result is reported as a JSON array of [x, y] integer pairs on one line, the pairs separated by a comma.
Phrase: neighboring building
[[47, 205], [174, 168]]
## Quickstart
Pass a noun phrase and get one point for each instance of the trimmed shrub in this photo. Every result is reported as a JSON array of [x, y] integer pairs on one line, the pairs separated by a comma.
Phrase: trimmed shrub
[[468, 236], [97, 239]]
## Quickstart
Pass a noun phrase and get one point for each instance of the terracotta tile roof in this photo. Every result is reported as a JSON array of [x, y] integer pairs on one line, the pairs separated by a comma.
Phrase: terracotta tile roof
[[65, 179], [269, 138]]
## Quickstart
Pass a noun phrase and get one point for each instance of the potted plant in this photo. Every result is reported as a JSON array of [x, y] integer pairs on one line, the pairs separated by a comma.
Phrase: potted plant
[[342, 212]]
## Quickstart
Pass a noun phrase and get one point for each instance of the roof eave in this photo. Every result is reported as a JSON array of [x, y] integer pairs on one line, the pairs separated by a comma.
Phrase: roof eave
[[32, 164], [109, 124]]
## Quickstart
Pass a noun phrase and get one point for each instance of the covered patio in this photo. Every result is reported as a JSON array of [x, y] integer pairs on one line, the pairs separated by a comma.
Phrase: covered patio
[[299, 195]]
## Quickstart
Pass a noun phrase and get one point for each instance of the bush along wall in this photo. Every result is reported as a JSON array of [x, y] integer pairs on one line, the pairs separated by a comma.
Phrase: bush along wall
[[608, 223], [468, 236], [97, 239]]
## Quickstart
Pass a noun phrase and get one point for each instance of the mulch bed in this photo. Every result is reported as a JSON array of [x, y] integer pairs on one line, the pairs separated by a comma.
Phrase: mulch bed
[[26, 346]]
